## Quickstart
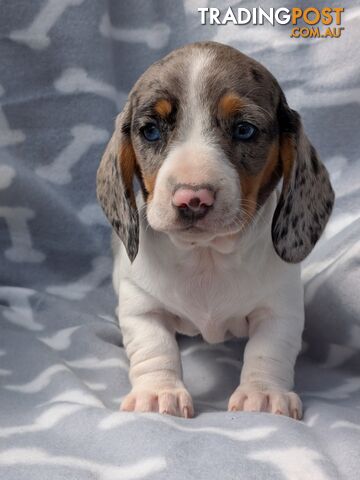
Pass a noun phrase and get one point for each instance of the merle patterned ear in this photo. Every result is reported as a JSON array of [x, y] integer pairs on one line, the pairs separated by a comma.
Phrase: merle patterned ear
[[114, 185], [307, 197]]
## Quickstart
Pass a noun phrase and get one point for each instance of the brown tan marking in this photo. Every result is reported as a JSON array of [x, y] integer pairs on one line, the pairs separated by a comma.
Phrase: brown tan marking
[[163, 107], [229, 104], [271, 163], [287, 155], [251, 184], [127, 160], [149, 182]]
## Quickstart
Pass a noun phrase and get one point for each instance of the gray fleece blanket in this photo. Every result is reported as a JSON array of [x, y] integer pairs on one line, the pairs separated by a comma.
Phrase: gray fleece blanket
[[65, 70]]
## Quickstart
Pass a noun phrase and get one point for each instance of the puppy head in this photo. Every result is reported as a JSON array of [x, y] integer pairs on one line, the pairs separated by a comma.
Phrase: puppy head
[[208, 133]]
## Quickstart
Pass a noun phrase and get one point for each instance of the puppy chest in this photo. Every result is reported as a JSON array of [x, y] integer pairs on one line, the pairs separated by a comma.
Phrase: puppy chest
[[213, 303]]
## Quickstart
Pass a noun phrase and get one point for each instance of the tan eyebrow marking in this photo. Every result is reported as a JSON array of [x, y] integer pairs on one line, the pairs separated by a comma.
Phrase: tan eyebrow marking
[[229, 104], [163, 107]]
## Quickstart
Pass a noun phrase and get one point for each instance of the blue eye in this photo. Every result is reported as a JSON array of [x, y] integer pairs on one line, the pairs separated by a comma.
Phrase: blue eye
[[244, 131], [151, 132]]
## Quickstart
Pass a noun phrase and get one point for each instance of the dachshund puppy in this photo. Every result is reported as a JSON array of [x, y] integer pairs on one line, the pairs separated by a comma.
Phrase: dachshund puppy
[[209, 246]]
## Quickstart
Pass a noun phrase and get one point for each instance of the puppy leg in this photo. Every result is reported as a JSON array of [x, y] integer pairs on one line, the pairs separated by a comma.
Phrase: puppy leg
[[155, 364], [268, 371]]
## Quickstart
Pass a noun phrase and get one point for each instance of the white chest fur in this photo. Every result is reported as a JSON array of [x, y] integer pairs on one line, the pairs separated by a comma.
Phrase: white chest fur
[[211, 295]]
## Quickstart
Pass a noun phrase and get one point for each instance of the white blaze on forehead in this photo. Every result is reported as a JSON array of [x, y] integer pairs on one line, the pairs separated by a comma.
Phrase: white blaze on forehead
[[196, 115]]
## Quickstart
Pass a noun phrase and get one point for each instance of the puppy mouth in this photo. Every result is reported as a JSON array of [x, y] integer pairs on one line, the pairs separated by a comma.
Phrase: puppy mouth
[[193, 229], [222, 224]]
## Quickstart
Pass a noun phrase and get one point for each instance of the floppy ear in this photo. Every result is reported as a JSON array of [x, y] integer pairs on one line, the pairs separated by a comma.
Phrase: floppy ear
[[114, 185], [307, 197]]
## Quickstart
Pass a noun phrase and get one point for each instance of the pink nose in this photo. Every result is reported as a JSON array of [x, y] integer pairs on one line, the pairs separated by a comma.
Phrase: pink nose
[[193, 198], [193, 204]]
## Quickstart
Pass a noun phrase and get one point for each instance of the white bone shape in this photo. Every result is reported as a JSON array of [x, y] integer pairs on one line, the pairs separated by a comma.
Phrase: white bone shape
[[41, 381], [22, 250], [84, 137], [60, 340], [101, 267], [7, 174], [349, 386], [75, 80], [26, 457], [292, 462], [48, 419], [156, 36], [7, 135], [36, 34], [19, 311], [92, 214], [306, 98]]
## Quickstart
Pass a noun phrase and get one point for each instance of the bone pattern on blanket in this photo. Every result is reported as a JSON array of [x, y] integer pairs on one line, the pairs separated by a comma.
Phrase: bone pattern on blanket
[[63, 346], [74, 80], [17, 220], [84, 136], [36, 35], [7, 135]]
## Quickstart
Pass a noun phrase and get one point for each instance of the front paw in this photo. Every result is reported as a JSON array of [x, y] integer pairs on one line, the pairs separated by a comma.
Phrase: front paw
[[169, 401], [252, 399]]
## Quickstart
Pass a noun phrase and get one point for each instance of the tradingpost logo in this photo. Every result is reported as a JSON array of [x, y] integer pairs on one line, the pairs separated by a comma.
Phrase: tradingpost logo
[[310, 22]]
